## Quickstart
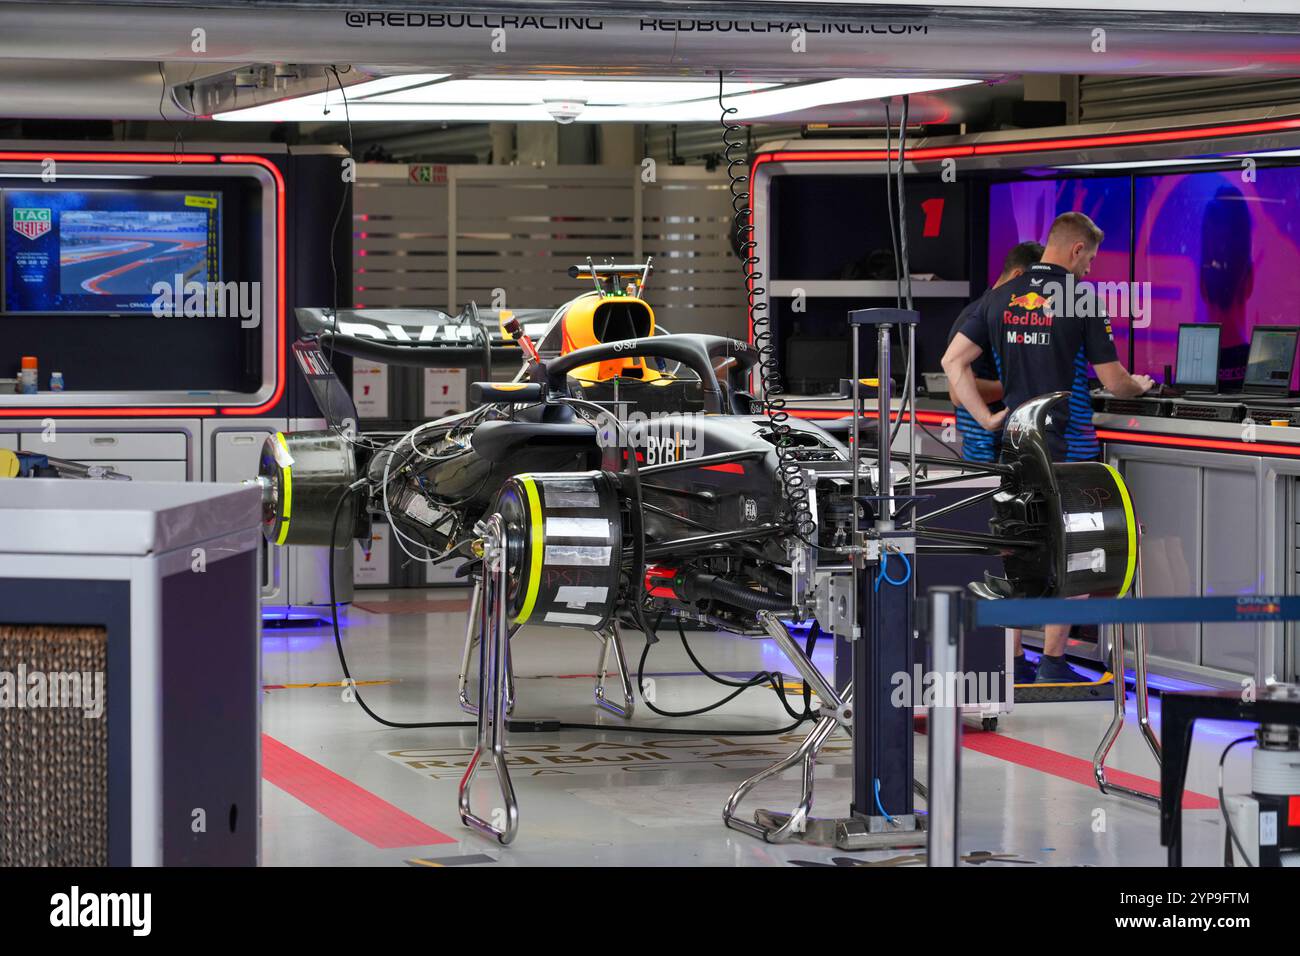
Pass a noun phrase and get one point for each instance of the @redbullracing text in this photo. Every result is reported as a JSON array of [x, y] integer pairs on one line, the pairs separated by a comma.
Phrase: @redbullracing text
[[1179, 909]]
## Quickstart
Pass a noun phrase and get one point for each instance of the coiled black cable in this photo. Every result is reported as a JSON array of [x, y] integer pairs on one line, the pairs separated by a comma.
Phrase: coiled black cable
[[793, 485]]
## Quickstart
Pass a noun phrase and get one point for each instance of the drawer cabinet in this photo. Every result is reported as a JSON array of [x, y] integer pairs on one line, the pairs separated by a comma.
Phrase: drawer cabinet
[[108, 446]]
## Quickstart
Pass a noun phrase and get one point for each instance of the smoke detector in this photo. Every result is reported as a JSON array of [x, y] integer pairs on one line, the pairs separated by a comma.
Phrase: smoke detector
[[565, 111]]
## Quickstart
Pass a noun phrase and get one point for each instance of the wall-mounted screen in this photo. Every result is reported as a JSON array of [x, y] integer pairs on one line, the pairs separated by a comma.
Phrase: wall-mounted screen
[[1023, 210], [1217, 247], [106, 251]]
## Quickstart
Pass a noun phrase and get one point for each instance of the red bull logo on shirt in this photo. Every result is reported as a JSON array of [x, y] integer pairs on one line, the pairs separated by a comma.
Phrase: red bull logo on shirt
[[1030, 301]]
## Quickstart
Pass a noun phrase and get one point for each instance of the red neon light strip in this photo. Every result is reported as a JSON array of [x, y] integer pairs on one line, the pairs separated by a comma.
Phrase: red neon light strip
[[137, 411], [831, 414], [1105, 434], [1217, 444], [358, 811], [860, 155], [1129, 139], [33, 157], [133, 412], [280, 344], [1031, 145]]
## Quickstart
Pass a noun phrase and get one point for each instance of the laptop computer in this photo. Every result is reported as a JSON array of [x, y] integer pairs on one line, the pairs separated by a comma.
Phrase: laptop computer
[[1269, 367], [1197, 369]]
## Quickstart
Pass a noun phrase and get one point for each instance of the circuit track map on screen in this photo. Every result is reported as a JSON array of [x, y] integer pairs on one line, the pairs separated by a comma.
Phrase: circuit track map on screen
[[105, 251]]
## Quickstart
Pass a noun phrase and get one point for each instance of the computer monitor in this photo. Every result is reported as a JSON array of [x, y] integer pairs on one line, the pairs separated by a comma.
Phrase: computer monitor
[[1271, 360], [109, 251], [1198, 357], [814, 365]]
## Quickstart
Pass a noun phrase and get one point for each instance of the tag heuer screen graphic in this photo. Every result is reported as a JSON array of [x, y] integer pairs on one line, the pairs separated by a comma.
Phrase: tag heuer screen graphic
[[32, 223]]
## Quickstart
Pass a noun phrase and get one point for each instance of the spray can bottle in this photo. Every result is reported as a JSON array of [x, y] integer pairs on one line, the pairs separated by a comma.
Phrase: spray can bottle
[[27, 376]]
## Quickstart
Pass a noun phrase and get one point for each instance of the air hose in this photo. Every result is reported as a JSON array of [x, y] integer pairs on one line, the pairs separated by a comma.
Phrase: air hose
[[729, 592]]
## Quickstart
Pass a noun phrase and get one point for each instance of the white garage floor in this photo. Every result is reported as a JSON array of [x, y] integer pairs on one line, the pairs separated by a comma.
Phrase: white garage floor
[[340, 789]]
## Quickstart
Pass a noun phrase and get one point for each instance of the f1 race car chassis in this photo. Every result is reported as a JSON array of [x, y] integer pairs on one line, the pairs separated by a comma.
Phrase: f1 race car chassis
[[845, 598], [776, 522]]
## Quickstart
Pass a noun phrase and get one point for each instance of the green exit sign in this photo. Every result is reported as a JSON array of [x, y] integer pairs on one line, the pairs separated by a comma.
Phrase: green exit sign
[[428, 174]]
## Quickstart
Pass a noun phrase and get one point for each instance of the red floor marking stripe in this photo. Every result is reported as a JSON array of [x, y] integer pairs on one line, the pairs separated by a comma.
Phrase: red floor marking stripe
[[359, 811], [1070, 768]]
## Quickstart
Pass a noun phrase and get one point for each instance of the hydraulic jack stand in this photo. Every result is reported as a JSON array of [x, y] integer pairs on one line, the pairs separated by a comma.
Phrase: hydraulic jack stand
[[882, 643]]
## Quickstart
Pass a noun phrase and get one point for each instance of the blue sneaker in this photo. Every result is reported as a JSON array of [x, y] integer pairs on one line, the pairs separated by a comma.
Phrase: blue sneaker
[[1055, 670], [1025, 671]]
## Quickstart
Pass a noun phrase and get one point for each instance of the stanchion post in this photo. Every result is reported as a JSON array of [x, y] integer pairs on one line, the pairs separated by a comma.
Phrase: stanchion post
[[944, 615]]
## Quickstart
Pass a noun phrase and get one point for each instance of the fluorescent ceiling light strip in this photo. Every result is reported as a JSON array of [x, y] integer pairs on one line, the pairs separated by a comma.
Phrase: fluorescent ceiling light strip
[[593, 92], [391, 85], [496, 100], [298, 107], [805, 96], [605, 100], [1140, 164], [1266, 154], [63, 175]]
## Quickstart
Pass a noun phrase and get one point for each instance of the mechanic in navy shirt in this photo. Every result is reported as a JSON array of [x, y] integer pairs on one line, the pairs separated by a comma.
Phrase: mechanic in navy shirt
[[1037, 352], [977, 444]]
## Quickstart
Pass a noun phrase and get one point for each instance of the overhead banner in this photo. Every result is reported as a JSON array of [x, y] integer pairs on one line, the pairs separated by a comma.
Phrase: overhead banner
[[784, 40]]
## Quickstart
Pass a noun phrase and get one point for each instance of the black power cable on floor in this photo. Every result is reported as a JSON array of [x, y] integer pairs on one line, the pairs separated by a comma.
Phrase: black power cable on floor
[[562, 725], [1223, 803], [775, 678], [338, 637]]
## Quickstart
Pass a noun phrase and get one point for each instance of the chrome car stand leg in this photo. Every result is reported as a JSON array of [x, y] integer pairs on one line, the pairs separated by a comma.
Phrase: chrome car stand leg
[[778, 828], [1140, 694], [834, 712], [493, 687], [467, 657], [611, 639]]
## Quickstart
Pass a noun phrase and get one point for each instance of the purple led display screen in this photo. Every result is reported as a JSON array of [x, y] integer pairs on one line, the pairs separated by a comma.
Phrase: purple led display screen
[[1024, 210], [1217, 248]]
